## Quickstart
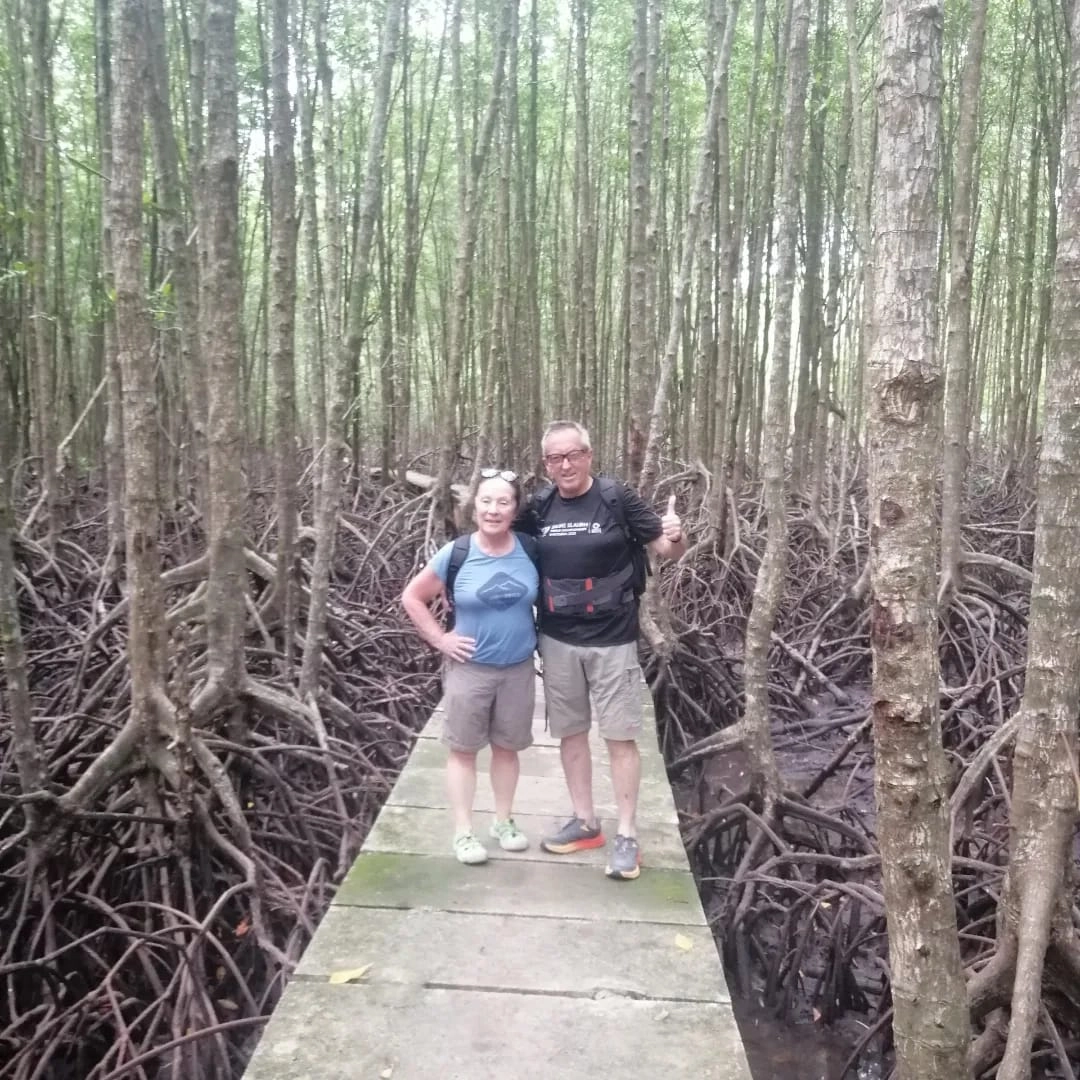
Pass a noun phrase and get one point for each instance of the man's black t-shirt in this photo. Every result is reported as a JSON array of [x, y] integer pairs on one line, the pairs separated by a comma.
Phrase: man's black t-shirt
[[581, 538]]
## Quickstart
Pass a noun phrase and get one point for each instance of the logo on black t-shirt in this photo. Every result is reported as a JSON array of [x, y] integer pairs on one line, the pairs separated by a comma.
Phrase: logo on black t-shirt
[[501, 591]]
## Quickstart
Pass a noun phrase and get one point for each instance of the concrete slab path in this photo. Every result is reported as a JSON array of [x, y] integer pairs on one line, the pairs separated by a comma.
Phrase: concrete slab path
[[533, 966]]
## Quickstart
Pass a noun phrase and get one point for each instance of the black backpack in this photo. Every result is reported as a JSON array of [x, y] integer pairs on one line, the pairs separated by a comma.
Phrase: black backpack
[[611, 491], [460, 552]]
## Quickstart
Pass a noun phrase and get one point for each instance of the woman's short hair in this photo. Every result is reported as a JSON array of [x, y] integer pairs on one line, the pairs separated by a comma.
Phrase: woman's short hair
[[468, 506]]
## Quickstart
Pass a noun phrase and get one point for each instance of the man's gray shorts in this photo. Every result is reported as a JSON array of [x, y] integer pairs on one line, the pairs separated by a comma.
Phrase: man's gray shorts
[[583, 683], [486, 704]]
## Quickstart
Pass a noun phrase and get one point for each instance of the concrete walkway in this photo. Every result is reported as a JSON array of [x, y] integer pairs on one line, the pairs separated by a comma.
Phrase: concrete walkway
[[531, 966]]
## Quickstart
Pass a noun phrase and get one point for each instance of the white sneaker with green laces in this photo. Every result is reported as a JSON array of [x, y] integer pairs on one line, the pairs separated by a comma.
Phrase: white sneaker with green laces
[[510, 837], [469, 850]]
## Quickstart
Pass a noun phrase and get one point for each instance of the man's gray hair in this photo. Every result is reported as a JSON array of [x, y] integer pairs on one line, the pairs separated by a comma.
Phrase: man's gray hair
[[567, 425]]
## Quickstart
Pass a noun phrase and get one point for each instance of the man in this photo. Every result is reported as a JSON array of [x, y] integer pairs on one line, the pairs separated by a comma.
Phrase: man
[[591, 580]]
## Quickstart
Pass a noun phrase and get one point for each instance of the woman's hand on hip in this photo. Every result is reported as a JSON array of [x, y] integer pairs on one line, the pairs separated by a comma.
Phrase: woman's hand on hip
[[456, 647]]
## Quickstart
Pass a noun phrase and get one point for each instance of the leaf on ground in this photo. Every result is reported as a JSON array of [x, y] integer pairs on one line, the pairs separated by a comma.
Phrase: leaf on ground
[[386, 1073], [349, 975], [683, 942]]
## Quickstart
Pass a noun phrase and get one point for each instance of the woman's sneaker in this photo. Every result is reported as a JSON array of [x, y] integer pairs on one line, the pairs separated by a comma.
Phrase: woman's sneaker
[[624, 862], [575, 835], [469, 850], [510, 837]]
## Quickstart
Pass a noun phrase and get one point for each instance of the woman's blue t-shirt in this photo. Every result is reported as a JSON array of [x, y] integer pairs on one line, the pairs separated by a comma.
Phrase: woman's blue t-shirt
[[493, 602]]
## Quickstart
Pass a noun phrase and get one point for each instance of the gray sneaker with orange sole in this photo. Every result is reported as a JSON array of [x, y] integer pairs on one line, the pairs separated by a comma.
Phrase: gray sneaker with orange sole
[[575, 835], [624, 859]]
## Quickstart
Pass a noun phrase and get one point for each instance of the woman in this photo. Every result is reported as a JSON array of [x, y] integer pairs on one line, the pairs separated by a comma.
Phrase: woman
[[489, 684]]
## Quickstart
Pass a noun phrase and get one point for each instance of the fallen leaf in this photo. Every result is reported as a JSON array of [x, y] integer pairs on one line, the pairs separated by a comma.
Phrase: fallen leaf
[[386, 1073], [242, 927], [349, 975], [226, 1003], [683, 942]]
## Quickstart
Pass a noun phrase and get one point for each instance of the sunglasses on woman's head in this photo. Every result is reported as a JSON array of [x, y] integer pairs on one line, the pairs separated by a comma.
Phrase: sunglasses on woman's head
[[502, 474]]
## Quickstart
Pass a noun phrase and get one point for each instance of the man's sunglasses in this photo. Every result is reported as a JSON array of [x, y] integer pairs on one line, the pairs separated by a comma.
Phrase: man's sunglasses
[[502, 474]]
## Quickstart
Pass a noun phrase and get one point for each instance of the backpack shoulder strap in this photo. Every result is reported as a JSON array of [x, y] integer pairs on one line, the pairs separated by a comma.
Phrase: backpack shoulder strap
[[458, 554], [611, 491], [541, 502], [530, 547]]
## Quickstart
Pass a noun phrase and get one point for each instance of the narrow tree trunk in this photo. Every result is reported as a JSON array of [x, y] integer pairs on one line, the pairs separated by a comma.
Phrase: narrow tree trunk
[[642, 331], [44, 365], [282, 324], [862, 183], [769, 586], [958, 341], [222, 320], [724, 328], [16, 698], [809, 391], [146, 645], [758, 180], [182, 265], [830, 332], [114, 433], [1044, 798], [930, 1019], [531, 253], [586, 255]]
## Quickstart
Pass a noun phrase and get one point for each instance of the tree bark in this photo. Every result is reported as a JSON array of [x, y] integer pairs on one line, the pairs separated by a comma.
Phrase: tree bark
[[146, 645], [585, 383], [640, 262], [222, 321], [1036, 910], [19, 707], [283, 320], [958, 340], [182, 265], [830, 331], [114, 427], [44, 359], [904, 437], [809, 389]]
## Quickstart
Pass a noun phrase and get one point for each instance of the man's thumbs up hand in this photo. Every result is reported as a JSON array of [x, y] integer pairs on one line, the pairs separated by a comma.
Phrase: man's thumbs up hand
[[671, 524]]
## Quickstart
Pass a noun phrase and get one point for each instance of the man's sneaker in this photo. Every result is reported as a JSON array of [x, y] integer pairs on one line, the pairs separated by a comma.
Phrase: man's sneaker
[[510, 837], [624, 862], [469, 850], [575, 835]]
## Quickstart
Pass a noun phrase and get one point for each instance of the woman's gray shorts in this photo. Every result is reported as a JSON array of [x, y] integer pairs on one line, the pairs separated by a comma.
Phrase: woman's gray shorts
[[485, 704]]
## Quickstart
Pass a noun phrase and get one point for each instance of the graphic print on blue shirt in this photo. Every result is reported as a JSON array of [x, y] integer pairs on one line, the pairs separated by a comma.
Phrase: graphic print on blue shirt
[[493, 602], [502, 591]]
